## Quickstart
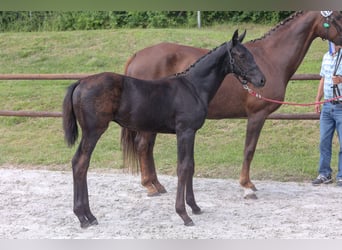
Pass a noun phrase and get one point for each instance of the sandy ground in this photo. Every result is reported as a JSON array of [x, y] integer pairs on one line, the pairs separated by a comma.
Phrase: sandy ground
[[37, 204]]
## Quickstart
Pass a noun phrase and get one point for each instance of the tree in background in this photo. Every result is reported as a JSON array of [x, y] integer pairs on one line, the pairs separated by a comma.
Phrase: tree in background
[[91, 20]]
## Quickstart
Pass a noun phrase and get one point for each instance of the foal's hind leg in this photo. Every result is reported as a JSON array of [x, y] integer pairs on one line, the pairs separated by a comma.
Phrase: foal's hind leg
[[80, 165], [145, 143]]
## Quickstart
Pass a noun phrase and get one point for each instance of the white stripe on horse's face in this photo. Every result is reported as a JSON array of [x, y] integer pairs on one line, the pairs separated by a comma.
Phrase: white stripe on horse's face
[[326, 13]]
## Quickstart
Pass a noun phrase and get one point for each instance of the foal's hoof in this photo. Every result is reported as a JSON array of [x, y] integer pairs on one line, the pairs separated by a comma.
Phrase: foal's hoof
[[94, 222], [87, 224], [189, 223], [197, 211]]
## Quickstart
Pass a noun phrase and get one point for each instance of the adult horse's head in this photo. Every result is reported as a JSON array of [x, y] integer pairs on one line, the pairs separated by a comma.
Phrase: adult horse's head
[[329, 26], [242, 62]]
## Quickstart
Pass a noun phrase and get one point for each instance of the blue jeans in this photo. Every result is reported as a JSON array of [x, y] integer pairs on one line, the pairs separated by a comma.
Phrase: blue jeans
[[330, 120]]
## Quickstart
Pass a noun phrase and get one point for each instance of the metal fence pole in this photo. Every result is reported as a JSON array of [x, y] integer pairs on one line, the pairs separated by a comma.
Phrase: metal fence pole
[[199, 19]]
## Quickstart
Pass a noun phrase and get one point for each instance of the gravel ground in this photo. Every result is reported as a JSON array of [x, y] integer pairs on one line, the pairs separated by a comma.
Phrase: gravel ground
[[37, 204]]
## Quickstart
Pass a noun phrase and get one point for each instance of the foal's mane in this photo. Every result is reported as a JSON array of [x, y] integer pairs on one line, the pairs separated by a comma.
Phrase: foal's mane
[[281, 24], [200, 59]]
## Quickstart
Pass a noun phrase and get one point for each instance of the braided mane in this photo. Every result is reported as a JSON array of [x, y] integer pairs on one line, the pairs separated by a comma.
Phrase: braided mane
[[281, 24]]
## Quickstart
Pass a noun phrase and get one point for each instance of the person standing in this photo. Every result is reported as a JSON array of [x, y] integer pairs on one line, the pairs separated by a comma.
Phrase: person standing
[[330, 87]]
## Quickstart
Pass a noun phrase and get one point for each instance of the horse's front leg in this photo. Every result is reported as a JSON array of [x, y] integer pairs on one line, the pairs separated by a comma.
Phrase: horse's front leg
[[145, 143], [254, 126], [185, 170]]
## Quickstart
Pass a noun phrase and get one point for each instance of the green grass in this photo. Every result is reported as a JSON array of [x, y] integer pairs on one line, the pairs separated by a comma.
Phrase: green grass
[[287, 150]]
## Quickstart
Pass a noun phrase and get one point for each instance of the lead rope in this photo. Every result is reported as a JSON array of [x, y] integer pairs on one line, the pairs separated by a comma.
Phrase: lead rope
[[336, 91], [259, 96]]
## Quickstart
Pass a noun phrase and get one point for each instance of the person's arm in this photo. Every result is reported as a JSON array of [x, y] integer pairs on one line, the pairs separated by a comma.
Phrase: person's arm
[[319, 95]]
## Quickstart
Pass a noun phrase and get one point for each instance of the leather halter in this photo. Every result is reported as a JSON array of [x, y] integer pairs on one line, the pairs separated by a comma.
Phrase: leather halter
[[329, 19], [231, 64]]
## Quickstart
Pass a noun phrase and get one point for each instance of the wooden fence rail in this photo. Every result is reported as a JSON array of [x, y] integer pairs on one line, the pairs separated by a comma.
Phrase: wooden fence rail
[[274, 116], [42, 76], [30, 113]]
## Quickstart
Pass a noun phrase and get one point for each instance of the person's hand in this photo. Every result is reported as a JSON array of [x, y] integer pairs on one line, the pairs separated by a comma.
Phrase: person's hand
[[336, 80], [318, 108]]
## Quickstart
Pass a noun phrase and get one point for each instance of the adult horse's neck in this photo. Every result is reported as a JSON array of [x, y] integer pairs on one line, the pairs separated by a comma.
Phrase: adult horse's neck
[[283, 48], [207, 73]]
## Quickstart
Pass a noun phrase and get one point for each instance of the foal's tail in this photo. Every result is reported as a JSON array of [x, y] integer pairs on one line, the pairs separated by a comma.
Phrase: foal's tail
[[129, 149], [69, 118]]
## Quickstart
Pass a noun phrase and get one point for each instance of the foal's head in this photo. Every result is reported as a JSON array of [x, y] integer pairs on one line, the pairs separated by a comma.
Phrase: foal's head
[[242, 62]]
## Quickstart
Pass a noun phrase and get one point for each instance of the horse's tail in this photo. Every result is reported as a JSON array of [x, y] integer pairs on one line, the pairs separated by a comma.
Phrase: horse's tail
[[69, 118], [128, 146], [129, 150], [127, 64]]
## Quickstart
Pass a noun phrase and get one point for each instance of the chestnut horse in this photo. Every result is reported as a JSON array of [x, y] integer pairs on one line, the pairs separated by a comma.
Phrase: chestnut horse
[[177, 104], [278, 54]]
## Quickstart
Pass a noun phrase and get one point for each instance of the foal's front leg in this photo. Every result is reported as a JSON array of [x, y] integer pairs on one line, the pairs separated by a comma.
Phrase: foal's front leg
[[190, 197], [185, 170]]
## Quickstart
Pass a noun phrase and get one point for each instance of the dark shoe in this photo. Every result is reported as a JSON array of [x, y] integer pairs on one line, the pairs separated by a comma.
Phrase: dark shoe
[[321, 179], [339, 182]]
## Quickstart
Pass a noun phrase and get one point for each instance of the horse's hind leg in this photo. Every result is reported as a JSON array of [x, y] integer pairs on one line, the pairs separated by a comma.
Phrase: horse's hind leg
[[254, 126], [145, 143], [80, 165]]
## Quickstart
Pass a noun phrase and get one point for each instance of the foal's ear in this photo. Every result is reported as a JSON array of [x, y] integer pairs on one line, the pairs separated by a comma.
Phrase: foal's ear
[[242, 36], [235, 37]]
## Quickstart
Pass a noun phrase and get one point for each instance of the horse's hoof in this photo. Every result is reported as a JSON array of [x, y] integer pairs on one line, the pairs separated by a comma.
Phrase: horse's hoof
[[251, 197], [153, 193], [161, 190], [249, 194]]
